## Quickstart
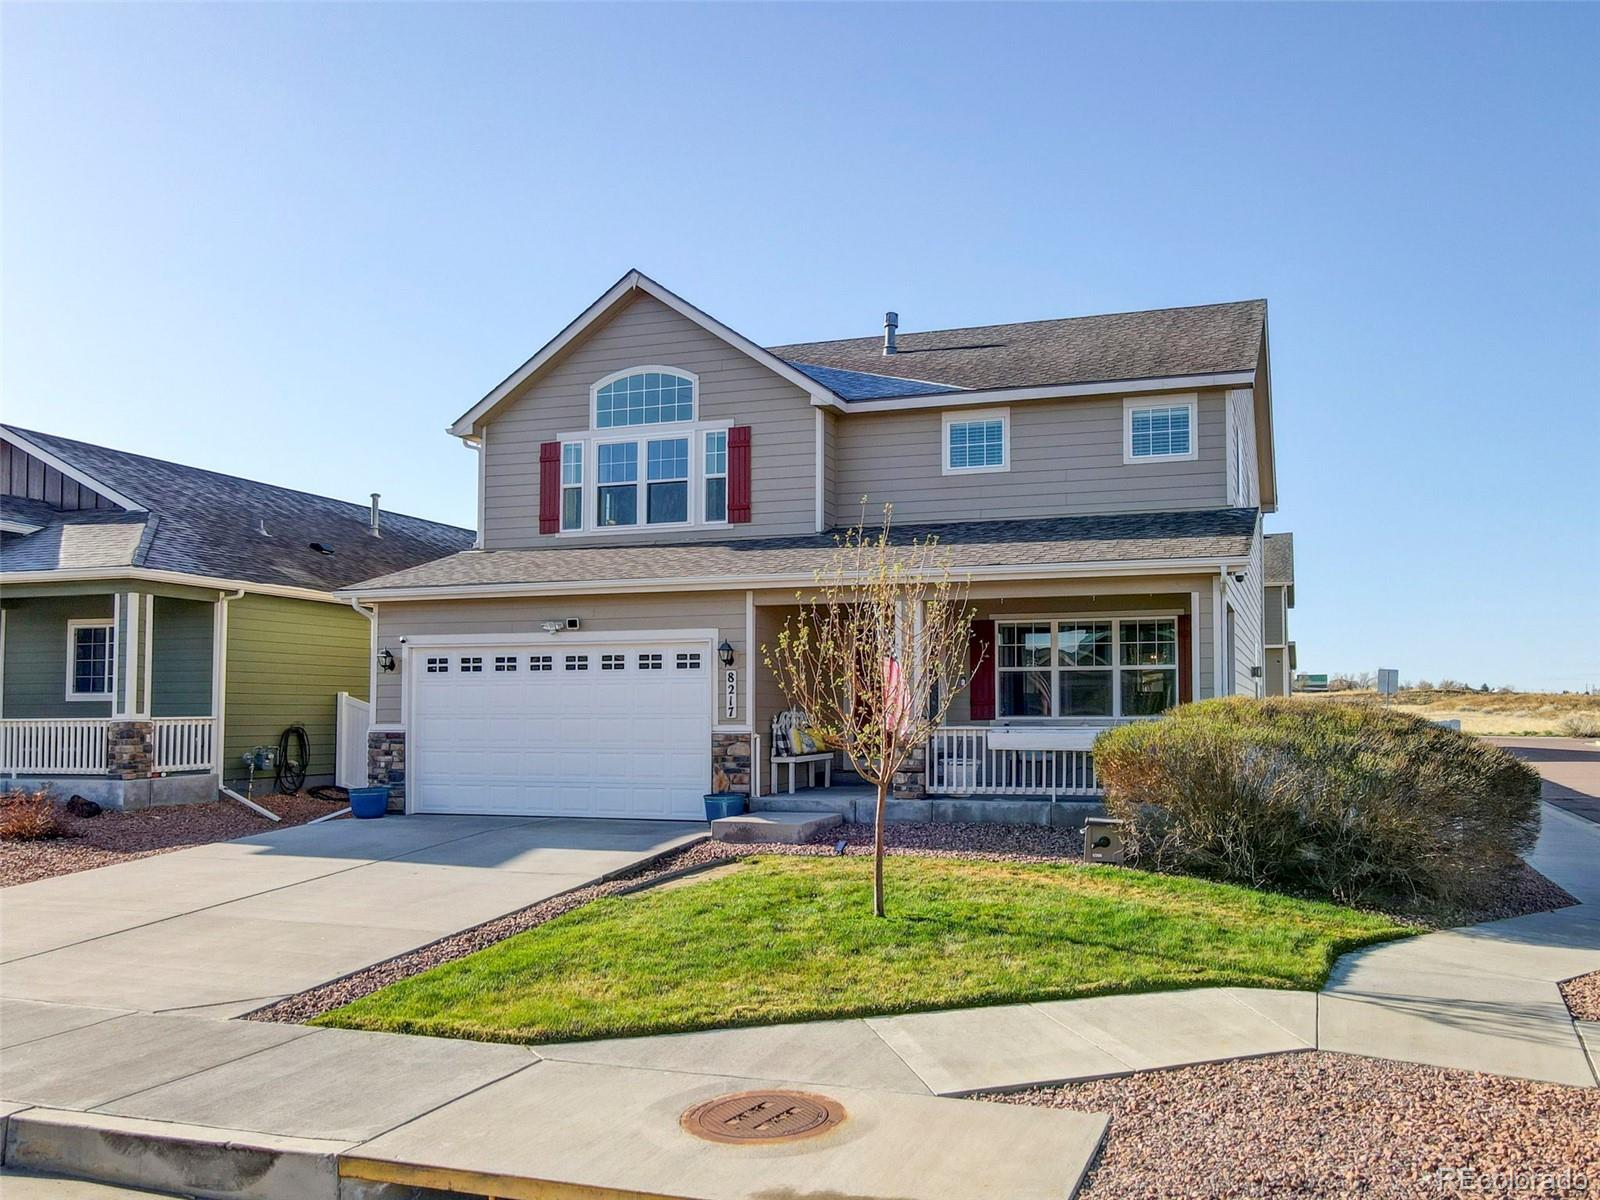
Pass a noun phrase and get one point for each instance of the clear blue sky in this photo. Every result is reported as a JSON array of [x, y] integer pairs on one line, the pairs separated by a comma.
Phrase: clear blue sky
[[293, 242]]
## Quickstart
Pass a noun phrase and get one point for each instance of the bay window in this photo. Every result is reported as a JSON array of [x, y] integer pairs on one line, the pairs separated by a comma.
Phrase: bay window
[[1086, 667]]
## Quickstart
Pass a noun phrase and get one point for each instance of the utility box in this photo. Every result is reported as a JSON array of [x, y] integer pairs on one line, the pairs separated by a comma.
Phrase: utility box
[[1105, 840]]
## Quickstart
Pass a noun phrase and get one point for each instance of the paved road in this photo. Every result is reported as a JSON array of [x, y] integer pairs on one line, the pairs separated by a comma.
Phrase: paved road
[[218, 930], [1571, 770]]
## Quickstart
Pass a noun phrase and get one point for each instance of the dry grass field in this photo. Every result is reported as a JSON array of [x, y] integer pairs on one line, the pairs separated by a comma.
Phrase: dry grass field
[[1493, 714]]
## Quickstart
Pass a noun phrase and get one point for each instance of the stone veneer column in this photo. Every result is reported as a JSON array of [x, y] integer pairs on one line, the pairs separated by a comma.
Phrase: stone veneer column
[[386, 764], [130, 749], [910, 781], [730, 762]]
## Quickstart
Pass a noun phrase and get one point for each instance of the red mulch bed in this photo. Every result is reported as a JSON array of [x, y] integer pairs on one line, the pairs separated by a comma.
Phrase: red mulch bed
[[1583, 1001], [116, 836]]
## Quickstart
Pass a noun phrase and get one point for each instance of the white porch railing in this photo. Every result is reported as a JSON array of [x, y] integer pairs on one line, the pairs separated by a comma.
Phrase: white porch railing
[[184, 744], [53, 746], [962, 763]]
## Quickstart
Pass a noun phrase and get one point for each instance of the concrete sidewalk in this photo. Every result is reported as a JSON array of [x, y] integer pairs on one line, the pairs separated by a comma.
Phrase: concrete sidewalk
[[225, 928]]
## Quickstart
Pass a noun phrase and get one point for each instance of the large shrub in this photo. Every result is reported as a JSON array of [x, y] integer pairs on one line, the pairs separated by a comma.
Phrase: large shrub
[[1355, 802], [30, 817]]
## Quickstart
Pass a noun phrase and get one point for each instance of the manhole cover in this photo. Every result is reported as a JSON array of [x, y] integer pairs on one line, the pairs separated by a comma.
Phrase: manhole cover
[[763, 1117]]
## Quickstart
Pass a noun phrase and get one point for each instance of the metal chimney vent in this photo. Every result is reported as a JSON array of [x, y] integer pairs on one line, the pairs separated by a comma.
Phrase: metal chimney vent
[[372, 518], [891, 322]]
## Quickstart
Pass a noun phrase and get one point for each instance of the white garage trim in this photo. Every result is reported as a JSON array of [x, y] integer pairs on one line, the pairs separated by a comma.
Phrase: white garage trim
[[678, 738]]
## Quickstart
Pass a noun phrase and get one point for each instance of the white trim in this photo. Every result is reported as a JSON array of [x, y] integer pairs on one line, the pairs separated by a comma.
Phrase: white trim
[[817, 484], [676, 372], [129, 705], [147, 708], [145, 575], [72, 653], [481, 445], [1060, 391], [465, 425], [1166, 566], [7, 525], [640, 436], [1132, 404], [70, 471], [585, 637], [975, 416], [750, 658], [1194, 647], [219, 667], [1115, 667]]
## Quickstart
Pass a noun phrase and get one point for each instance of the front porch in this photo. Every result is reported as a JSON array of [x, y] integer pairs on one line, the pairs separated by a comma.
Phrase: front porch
[[110, 694], [1055, 665]]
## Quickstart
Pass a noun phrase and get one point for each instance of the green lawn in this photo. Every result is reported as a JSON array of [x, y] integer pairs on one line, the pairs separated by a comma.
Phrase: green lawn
[[791, 939]]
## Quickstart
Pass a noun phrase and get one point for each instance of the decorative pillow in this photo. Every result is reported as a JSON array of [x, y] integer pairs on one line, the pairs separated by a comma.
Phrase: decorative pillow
[[818, 738], [803, 743]]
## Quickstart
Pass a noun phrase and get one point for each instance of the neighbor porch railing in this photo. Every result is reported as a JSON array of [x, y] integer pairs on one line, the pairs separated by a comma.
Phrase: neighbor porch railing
[[54, 745], [962, 763], [184, 744]]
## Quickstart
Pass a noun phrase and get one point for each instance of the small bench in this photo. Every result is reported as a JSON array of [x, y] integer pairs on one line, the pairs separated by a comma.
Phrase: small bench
[[783, 729]]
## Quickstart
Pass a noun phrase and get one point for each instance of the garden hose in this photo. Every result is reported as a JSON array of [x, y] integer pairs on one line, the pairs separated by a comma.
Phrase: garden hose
[[291, 776]]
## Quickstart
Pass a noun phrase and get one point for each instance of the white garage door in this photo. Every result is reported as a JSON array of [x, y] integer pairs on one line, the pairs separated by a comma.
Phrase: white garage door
[[590, 730]]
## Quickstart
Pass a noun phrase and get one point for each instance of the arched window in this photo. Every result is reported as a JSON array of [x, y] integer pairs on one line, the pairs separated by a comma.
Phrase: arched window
[[644, 396]]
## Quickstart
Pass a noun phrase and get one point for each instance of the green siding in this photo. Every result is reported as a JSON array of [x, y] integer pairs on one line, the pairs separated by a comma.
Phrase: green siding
[[181, 675], [287, 659], [36, 655]]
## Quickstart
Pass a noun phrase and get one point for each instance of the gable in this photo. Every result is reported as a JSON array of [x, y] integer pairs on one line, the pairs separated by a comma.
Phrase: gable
[[24, 476]]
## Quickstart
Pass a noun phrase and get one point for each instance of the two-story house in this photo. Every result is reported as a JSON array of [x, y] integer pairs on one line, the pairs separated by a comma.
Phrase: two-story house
[[1278, 567], [653, 488]]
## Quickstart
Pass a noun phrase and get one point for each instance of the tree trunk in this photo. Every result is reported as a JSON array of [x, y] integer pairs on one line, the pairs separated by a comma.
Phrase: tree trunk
[[877, 852]]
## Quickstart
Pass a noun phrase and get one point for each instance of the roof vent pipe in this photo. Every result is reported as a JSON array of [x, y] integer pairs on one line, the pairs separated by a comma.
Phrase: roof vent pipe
[[372, 519], [891, 322]]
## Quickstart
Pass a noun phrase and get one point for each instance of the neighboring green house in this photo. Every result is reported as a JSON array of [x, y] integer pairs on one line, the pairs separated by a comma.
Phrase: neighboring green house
[[145, 606]]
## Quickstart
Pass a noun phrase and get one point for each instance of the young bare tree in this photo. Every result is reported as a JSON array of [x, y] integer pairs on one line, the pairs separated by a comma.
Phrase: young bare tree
[[876, 654]]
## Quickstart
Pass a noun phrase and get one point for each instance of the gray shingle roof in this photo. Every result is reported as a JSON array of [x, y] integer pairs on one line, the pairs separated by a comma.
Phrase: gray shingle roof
[[1277, 550], [858, 385], [1125, 537], [206, 523], [1159, 343]]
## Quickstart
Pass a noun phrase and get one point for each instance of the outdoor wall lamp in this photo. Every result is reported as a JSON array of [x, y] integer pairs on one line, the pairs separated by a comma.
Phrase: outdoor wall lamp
[[385, 661], [725, 653]]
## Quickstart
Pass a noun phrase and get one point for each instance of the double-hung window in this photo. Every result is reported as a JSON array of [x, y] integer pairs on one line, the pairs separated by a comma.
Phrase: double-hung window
[[667, 469], [716, 475], [617, 483], [572, 485], [1087, 667], [977, 441], [1156, 430], [91, 660]]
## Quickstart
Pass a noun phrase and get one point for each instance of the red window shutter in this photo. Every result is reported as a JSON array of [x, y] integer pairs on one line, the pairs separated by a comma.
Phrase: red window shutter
[[980, 664], [1185, 660], [550, 487], [739, 474]]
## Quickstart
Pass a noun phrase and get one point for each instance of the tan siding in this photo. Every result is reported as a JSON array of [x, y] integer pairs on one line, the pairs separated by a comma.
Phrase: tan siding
[[287, 659], [830, 466], [1277, 615], [723, 611], [733, 387], [1066, 457], [1246, 599]]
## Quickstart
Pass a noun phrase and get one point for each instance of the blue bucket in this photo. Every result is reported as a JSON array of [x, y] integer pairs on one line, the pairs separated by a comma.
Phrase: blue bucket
[[369, 802], [725, 804]]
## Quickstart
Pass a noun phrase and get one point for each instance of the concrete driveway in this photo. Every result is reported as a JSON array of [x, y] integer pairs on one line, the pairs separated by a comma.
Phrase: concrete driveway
[[221, 929]]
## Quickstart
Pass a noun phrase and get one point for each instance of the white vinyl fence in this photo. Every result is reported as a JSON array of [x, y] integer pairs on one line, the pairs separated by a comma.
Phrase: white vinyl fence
[[184, 743], [54, 746], [962, 763]]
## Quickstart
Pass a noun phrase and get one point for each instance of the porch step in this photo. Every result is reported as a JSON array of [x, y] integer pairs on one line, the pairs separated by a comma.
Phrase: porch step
[[790, 828]]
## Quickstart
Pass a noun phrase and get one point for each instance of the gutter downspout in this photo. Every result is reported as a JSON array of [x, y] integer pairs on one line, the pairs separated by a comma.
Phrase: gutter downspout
[[219, 676]]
